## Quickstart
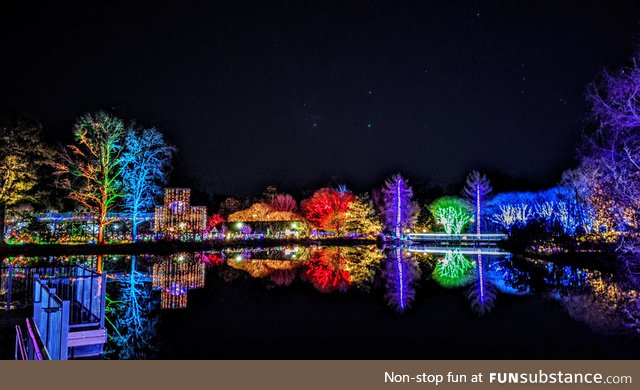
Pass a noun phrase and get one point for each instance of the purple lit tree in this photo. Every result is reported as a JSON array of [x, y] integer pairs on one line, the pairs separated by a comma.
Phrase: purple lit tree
[[399, 211], [476, 188], [146, 161], [401, 275], [612, 152], [483, 294]]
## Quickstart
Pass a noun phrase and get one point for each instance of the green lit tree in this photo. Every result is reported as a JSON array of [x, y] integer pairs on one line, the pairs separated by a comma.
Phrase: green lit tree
[[146, 161], [453, 213], [22, 157], [453, 270], [361, 217], [91, 170]]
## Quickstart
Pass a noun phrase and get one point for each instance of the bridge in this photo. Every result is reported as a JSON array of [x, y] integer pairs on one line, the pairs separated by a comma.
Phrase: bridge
[[443, 239], [488, 251]]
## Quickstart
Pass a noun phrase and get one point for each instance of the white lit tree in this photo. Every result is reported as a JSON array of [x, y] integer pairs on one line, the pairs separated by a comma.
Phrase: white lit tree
[[477, 188], [453, 213]]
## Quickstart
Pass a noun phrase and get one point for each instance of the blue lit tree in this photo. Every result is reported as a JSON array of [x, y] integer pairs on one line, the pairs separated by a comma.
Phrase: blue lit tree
[[146, 161], [131, 316], [477, 188], [401, 274], [399, 210]]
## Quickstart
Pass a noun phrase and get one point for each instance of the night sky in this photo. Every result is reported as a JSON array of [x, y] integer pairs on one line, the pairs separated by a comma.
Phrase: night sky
[[305, 93]]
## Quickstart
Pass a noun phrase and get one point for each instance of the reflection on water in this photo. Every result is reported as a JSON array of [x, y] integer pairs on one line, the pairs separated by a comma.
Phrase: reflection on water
[[482, 294], [174, 276], [139, 287], [401, 274], [453, 269]]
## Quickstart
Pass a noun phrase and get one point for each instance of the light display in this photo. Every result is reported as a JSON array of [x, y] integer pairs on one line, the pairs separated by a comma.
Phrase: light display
[[399, 210], [453, 270], [477, 187], [362, 263], [264, 268], [262, 219], [482, 294], [22, 154], [284, 202], [175, 275], [91, 170], [400, 274], [326, 209], [69, 228], [129, 312], [177, 219], [326, 270], [452, 213], [263, 212], [145, 165], [512, 215]]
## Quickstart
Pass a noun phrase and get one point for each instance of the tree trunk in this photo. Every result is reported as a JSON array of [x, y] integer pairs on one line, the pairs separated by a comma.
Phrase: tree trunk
[[101, 233], [99, 265], [134, 226], [102, 224]]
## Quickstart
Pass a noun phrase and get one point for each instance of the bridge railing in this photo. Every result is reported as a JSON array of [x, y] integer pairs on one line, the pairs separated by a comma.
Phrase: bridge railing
[[51, 318], [30, 347], [456, 237]]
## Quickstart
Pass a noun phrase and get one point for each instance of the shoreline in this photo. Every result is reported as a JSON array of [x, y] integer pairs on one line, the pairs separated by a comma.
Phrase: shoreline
[[165, 247], [588, 259]]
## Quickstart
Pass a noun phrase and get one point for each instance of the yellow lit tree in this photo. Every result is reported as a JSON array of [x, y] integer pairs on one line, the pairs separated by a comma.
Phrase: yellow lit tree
[[22, 155], [362, 219]]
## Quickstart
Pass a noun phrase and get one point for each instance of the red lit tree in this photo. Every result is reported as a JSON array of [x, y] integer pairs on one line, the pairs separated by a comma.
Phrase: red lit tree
[[214, 220], [326, 270], [326, 209]]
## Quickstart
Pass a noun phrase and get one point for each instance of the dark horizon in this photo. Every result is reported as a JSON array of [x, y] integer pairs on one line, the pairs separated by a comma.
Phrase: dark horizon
[[308, 93]]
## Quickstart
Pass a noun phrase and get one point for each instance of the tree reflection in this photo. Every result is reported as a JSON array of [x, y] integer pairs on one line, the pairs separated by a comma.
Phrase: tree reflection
[[131, 316], [283, 277], [453, 270], [281, 272], [401, 274], [507, 277], [362, 264], [481, 295], [326, 270]]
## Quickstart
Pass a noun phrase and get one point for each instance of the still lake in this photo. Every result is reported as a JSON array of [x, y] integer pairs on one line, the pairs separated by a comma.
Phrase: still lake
[[362, 303]]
